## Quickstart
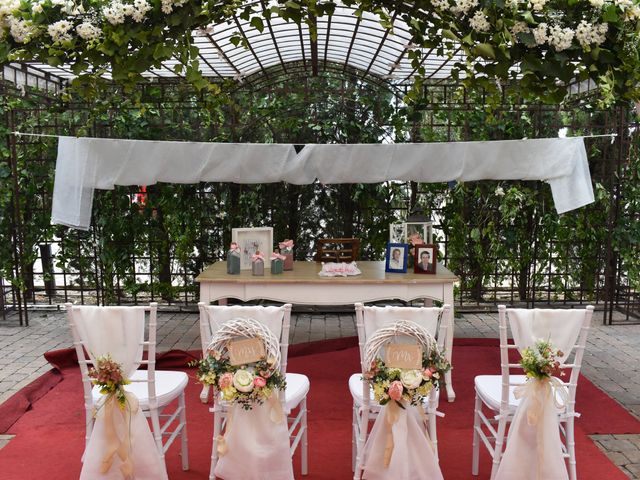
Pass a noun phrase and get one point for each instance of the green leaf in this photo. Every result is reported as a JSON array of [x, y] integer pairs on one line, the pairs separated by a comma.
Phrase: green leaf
[[610, 14], [485, 50], [257, 23], [292, 4]]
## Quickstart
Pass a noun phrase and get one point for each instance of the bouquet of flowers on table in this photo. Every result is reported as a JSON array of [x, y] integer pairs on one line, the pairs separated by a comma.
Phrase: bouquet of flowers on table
[[407, 385], [243, 384]]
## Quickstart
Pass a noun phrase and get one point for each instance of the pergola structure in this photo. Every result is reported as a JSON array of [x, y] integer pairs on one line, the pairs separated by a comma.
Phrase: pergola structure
[[275, 58]]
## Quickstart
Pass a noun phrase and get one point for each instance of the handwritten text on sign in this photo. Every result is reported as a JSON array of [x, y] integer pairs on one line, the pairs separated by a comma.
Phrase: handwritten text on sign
[[404, 356], [242, 352]]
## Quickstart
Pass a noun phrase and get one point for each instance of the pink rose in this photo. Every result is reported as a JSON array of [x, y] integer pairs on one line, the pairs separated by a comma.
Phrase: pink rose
[[433, 369], [265, 373], [226, 380], [427, 374], [395, 390], [259, 382]]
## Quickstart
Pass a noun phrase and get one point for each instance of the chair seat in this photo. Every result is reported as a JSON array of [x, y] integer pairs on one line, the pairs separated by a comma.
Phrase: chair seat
[[489, 389], [297, 389], [355, 387], [169, 385]]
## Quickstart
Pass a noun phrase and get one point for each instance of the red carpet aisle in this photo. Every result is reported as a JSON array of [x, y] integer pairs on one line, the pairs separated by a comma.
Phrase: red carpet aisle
[[49, 439]]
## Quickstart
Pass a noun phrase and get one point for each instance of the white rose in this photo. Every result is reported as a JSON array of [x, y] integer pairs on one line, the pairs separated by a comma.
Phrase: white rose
[[411, 378], [243, 381]]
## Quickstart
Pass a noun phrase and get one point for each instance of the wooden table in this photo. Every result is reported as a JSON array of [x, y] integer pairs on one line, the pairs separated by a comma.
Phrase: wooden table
[[304, 286]]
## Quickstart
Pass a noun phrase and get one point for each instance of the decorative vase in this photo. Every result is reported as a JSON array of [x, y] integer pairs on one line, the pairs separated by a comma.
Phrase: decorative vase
[[257, 268], [233, 263], [288, 261], [277, 266]]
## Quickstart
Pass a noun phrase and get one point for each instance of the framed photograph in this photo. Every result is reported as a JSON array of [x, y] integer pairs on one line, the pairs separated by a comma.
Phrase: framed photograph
[[250, 241], [424, 229], [426, 257], [396, 258], [397, 233]]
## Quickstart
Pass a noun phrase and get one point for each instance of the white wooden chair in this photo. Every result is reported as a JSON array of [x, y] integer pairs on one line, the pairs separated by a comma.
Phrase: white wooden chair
[[365, 408], [495, 392], [160, 393], [277, 319]]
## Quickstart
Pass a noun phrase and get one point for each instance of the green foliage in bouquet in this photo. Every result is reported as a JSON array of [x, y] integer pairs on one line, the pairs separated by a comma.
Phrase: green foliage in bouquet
[[541, 360]]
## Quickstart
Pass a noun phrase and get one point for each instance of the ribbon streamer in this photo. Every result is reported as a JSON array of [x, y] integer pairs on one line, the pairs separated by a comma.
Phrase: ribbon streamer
[[115, 444], [393, 412], [538, 392]]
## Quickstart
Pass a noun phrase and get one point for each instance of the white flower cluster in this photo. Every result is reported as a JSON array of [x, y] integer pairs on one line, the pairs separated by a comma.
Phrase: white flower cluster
[[88, 31], [479, 22], [21, 30], [520, 27], [597, 3], [540, 33], [589, 34], [464, 6], [169, 5], [537, 5], [560, 38], [114, 13], [59, 31], [440, 4], [117, 12], [69, 7]]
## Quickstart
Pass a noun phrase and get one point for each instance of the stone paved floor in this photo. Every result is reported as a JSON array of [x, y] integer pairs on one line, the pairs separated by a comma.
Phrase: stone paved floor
[[611, 358]]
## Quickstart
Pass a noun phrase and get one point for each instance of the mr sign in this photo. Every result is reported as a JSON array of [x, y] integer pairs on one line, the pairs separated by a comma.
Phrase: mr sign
[[243, 352], [404, 356]]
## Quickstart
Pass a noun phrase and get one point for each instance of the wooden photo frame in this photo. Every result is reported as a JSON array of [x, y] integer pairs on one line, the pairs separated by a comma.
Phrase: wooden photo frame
[[396, 258], [425, 258], [251, 240]]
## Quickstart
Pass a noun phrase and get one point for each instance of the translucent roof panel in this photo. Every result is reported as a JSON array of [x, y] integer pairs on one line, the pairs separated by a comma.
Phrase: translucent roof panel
[[360, 43]]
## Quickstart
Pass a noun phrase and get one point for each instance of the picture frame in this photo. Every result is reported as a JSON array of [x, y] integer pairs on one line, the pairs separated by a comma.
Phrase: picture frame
[[251, 240], [425, 229], [397, 233], [425, 258], [396, 258]]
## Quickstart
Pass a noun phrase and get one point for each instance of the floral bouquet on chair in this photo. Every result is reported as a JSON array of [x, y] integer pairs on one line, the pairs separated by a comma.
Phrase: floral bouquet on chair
[[541, 361], [107, 374], [246, 385], [406, 384]]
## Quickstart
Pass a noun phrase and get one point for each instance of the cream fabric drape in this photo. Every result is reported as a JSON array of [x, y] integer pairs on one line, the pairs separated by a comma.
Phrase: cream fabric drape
[[86, 164], [257, 447], [412, 456], [119, 332]]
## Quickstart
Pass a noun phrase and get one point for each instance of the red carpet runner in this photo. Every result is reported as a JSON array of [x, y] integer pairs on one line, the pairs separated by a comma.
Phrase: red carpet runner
[[49, 437]]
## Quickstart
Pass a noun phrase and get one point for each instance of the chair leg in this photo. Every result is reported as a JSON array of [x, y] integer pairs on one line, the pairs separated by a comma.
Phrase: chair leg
[[184, 447], [157, 432], [475, 461], [354, 436], [571, 448], [364, 425], [304, 452], [497, 452], [433, 433], [217, 426]]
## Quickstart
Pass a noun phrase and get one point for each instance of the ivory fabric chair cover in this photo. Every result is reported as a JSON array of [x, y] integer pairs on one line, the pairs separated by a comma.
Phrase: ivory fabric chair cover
[[412, 456], [534, 447], [257, 446], [119, 332], [377, 318]]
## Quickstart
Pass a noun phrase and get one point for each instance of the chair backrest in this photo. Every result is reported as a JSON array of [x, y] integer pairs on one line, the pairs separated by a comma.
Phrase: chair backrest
[[119, 332], [277, 319], [567, 330], [369, 319], [337, 249]]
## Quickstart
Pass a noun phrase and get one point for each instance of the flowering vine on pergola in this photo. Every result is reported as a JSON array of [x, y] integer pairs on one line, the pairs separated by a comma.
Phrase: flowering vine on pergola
[[536, 47]]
